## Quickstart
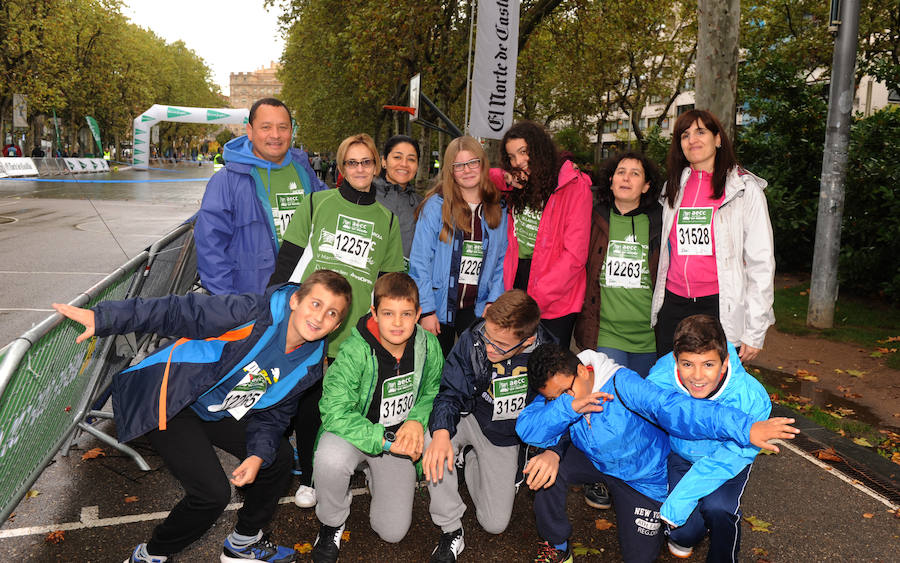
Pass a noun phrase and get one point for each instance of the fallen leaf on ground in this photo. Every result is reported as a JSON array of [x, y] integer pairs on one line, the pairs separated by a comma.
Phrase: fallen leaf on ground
[[760, 552], [885, 350], [55, 537], [843, 389], [603, 524], [862, 442], [32, 493], [838, 370], [896, 415], [581, 549], [91, 454], [844, 411], [856, 372], [890, 339], [876, 354], [131, 499], [303, 547], [828, 455], [345, 536], [758, 525], [779, 368], [852, 396], [814, 362], [868, 515], [895, 457], [841, 432]]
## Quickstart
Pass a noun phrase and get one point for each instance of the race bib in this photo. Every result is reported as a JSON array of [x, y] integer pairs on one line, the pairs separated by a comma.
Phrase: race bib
[[397, 398], [247, 392], [694, 230], [470, 263], [509, 396], [284, 209], [623, 264], [353, 241]]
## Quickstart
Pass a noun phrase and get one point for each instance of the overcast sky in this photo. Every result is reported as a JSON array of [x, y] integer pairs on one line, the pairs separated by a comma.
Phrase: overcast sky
[[230, 35]]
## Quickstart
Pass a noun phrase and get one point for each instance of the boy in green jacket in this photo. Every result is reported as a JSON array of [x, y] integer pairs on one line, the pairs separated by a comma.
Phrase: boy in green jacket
[[376, 401]]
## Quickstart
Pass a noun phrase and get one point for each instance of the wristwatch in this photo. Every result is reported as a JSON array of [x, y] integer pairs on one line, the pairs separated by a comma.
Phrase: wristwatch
[[389, 438]]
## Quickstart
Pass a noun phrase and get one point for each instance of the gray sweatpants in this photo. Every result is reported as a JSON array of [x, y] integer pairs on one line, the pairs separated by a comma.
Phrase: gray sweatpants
[[490, 477], [392, 482]]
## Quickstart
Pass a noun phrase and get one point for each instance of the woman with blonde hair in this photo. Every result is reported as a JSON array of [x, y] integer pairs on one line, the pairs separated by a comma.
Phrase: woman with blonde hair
[[459, 245]]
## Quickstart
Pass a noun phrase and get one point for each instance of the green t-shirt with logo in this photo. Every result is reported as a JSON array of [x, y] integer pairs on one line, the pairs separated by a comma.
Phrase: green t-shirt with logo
[[526, 226], [285, 195], [357, 241], [625, 292]]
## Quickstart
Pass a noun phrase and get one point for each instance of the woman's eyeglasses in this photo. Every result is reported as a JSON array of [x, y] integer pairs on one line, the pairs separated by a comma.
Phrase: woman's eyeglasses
[[473, 164], [364, 163]]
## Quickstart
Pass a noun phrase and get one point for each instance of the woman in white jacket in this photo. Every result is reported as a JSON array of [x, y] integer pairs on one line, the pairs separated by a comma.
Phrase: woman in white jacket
[[717, 255]]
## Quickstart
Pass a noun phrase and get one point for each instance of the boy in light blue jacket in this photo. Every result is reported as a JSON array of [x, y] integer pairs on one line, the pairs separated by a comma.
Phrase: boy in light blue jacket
[[623, 443], [707, 477]]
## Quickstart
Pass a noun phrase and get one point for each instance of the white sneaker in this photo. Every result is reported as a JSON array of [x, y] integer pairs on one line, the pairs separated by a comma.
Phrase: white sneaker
[[679, 551], [305, 497]]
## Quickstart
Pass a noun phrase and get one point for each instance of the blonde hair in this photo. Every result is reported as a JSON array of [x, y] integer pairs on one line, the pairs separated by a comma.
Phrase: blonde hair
[[358, 139], [455, 212]]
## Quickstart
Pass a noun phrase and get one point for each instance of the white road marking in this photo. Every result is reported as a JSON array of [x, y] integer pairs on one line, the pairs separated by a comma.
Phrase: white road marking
[[24, 309], [90, 518], [14, 272], [852, 482]]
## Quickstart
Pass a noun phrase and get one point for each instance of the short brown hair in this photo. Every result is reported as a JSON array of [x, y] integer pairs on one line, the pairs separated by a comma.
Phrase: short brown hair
[[395, 285], [700, 333], [330, 280], [515, 310], [358, 139]]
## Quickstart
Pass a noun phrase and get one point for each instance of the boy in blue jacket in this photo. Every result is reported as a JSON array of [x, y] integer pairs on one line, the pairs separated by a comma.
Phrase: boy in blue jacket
[[707, 477], [231, 381], [622, 443]]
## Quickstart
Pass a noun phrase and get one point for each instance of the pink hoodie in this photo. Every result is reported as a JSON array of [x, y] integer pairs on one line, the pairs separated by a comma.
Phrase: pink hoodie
[[558, 277]]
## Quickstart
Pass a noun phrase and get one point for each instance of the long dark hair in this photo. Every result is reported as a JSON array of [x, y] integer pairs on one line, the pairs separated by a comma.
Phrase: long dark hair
[[676, 161], [543, 165], [608, 169]]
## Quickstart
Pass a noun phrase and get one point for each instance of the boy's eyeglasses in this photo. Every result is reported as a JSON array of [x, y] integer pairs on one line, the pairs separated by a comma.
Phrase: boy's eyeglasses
[[473, 164], [365, 163], [500, 351]]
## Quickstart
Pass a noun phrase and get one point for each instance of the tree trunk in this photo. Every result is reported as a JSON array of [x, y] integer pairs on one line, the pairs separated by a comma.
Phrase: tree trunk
[[718, 26]]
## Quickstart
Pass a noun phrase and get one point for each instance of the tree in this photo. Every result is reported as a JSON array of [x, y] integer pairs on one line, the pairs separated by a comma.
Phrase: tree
[[717, 59]]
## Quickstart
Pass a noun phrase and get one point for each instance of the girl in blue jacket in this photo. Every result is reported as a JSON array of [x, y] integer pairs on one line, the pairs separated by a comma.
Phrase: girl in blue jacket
[[236, 391], [459, 245]]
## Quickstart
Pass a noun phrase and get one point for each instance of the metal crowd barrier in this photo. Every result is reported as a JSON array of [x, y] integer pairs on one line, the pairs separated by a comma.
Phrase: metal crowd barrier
[[48, 383]]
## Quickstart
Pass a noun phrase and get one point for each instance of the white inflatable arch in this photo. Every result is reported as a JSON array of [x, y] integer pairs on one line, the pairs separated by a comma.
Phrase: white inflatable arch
[[156, 113]]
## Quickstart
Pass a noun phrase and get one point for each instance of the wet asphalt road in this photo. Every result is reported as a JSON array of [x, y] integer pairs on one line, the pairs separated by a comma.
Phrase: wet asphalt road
[[60, 243]]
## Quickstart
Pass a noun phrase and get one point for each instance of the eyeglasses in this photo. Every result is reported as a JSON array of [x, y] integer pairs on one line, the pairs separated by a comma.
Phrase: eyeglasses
[[473, 164], [500, 351], [365, 163]]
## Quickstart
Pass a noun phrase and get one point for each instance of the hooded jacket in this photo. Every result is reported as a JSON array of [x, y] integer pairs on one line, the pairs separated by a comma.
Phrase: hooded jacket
[[745, 258], [348, 389], [402, 202], [714, 462], [149, 394], [466, 378], [234, 230], [588, 321], [431, 259], [557, 280], [628, 439]]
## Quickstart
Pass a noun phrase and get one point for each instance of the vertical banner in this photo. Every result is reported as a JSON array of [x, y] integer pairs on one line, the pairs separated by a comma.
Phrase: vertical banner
[[95, 131], [494, 77], [20, 111]]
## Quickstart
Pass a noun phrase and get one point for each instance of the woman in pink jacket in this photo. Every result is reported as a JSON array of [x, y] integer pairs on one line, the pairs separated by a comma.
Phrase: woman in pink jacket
[[549, 206]]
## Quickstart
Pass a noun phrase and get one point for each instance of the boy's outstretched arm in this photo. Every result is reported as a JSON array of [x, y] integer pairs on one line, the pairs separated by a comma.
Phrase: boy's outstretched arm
[[84, 317], [774, 428]]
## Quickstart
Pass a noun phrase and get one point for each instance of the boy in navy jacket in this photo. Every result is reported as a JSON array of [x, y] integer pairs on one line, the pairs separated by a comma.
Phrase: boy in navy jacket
[[707, 477], [232, 381], [622, 442]]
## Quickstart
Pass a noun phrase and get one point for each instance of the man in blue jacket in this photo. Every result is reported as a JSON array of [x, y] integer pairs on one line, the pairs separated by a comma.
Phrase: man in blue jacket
[[707, 477], [232, 381], [622, 443], [248, 205]]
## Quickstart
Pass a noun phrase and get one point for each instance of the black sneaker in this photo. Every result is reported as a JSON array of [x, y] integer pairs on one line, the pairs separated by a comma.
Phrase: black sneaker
[[328, 544], [449, 547], [549, 554], [596, 496]]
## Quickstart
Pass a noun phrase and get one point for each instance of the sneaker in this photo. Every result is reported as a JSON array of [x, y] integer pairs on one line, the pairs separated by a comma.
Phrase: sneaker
[[260, 550], [449, 547], [596, 496], [549, 554], [140, 555], [680, 552], [305, 497], [328, 544]]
